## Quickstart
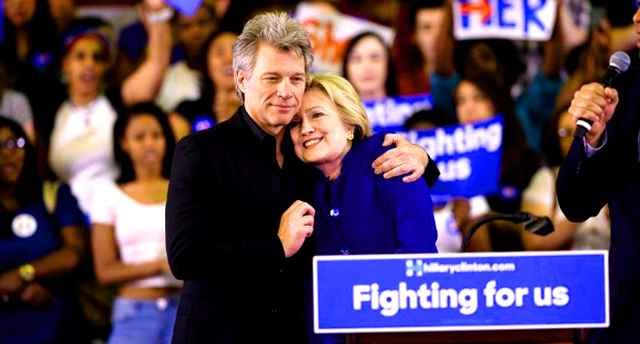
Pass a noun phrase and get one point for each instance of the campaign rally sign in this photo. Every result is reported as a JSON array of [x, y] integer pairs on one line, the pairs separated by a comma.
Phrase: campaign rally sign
[[330, 32], [439, 292], [390, 114], [469, 157], [510, 19]]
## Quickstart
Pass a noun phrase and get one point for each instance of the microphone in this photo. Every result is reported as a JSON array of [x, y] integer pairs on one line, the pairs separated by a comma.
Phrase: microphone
[[618, 63], [533, 224]]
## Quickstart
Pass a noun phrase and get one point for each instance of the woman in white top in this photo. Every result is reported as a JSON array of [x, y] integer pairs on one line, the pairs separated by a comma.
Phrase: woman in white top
[[540, 196], [128, 239], [80, 145]]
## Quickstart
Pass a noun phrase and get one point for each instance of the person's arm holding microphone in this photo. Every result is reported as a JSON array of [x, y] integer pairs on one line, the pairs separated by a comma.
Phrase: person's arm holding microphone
[[585, 176]]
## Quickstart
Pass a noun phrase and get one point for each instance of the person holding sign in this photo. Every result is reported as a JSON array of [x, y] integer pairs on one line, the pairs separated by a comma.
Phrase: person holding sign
[[357, 211], [235, 222], [603, 168]]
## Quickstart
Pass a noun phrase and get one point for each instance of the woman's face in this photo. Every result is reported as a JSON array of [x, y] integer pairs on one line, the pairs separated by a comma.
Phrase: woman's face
[[367, 68], [11, 156], [144, 141], [220, 59], [318, 133], [85, 65], [428, 23], [471, 104], [20, 12], [566, 128]]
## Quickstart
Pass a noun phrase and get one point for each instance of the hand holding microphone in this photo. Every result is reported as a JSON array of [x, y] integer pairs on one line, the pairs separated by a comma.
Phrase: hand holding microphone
[[593, 105]]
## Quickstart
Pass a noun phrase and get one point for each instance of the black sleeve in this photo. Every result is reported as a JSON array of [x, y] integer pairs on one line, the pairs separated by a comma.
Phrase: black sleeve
[[431, 173]]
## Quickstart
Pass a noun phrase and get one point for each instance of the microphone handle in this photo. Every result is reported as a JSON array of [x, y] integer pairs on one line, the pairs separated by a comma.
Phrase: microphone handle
[[583, 125]]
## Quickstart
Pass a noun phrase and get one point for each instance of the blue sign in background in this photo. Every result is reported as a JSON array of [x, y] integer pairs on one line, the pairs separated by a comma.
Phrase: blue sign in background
[[390, 114], [467, 171], [584, 302]]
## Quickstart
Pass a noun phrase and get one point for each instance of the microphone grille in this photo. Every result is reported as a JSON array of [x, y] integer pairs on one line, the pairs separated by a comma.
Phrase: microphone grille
[[620, 60]]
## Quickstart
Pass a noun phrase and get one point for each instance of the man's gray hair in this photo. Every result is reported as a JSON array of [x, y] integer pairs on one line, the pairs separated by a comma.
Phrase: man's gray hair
[[277, 30]]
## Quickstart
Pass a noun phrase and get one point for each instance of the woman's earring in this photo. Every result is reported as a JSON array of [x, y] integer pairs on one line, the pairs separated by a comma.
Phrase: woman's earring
[[349, 135]]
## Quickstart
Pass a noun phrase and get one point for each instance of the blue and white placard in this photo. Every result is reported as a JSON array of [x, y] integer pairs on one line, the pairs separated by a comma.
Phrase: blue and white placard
[[437, 292], [469, 157], [510, 19], [390, 113]]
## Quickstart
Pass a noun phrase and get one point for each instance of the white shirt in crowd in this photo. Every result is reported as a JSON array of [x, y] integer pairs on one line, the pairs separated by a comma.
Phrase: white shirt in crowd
[[81, 149], [180, 83], [138, 228]]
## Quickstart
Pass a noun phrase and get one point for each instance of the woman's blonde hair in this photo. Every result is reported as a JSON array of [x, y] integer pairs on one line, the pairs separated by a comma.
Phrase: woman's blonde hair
[[346, 100]]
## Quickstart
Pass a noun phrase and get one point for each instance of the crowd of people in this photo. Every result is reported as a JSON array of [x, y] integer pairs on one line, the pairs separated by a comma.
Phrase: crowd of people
[[90, 120]]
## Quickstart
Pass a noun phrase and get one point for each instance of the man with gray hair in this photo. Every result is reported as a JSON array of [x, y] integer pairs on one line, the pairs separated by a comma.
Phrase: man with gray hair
[[234, 220]]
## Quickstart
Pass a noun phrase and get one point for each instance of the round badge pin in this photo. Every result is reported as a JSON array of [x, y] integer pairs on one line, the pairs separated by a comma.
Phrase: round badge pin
[[24, 225]]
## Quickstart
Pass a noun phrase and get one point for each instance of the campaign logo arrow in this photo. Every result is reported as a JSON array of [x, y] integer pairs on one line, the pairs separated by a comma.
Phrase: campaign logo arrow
[[483, 8]]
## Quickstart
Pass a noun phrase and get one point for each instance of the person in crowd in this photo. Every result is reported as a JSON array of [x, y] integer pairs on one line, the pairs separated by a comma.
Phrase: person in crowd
[[332, 133], [244, 165], [29, 53], [453, 216], [482, 97], [128, 229], [80, 150], [182, 79], [602, 168], [218, 99], [42, 241], [419, 27], [368, 66], [540, 196], [15, 106]]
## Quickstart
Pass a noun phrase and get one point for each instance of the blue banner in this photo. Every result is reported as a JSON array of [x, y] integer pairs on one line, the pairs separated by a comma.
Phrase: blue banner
[[401, 293], [468, 157], [389, 114]]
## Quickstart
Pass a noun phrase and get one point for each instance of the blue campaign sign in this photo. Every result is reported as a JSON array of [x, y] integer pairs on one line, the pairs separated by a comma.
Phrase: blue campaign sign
[[468, 157], [389, 114], [510, 19], [438, 292], [188, 7]]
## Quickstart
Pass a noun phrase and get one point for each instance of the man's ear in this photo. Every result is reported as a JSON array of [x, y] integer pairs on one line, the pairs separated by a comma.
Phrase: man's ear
[[241, 80]]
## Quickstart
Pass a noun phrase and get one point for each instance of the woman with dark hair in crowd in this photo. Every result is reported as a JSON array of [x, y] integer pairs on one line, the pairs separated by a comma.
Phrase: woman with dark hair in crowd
[[29, 53], [367, 64], [481, 97], [42, 240], [540, 197], [80, 149], [128, 229], [218, 100]]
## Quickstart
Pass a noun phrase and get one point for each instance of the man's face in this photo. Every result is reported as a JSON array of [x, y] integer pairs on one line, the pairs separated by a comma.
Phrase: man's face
[[273, 92], [428, 26]]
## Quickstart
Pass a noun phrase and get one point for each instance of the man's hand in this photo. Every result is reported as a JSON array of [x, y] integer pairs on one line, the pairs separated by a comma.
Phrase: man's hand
[[595, 103], [405, 158], [296, 225]]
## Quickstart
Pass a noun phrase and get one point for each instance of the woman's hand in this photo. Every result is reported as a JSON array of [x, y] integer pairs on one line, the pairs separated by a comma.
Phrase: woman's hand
[[37, 296], [10, 283]]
